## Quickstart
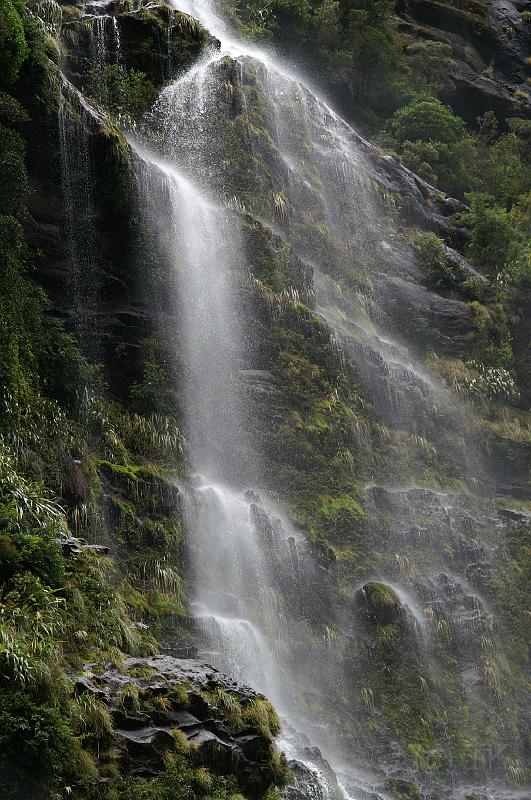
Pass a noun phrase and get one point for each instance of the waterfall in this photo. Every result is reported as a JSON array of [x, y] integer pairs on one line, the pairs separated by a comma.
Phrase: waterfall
[[251, 570], [240, 544], [75, 118], [202, 242]]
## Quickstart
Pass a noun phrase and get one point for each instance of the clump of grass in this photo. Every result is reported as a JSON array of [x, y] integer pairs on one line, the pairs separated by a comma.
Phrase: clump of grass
[[278, 765], [202, 779], [179, 692], [128, 699], [261, 715], [229, 704], [91, 719], [138, 671], [161, 702], [182, 745]]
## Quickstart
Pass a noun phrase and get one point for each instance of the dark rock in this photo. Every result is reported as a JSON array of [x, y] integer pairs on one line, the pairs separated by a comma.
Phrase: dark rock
[[312, 780], [463, 271], [519, 516], [421, 204], [407, 301], [74, 545], [169, 693], [146, 743], [380, 604]]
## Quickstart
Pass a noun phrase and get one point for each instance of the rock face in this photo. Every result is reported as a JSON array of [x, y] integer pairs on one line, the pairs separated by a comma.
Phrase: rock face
[[153, 39], [490, 43], [445, 317], [421, 204], [83, 208], [161, 704]]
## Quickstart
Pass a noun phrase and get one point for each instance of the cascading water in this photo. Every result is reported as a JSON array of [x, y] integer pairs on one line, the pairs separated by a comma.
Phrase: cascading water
[[244, 555], [232, 533], [77, 185]]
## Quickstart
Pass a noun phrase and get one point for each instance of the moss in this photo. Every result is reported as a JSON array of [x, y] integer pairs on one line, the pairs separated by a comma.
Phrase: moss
[[403, 790], [382, 603], [331, 507]]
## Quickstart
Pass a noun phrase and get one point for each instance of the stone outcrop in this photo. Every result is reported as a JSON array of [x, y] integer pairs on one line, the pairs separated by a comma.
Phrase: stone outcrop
[[445, 317], [161, 704], [490, 43]]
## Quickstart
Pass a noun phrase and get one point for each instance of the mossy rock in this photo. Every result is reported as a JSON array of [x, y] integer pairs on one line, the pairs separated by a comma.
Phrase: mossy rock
[[403, 790], [380, 604]]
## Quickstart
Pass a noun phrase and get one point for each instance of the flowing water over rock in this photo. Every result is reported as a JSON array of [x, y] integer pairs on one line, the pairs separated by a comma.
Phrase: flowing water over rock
[[75, 120], [312, 182]]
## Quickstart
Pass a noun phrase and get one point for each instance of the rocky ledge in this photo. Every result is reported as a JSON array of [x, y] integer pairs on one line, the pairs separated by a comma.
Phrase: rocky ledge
[[161, 704]]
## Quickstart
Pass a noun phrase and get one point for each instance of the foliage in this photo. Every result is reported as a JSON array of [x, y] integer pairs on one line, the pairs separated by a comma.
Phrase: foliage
[[126, 93], [426, 119], [62, 369], [498, 244], [179, 779], [430, 63], [13, 45], [490, 383], [36, 747], [434, 261]]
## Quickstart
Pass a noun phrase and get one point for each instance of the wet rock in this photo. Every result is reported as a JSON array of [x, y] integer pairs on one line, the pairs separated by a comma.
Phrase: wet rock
[[74, 545], [512, 513], [380, 604], [420, 203], [157, 700], [464, 272], [406, 300], [305, 784], [313, 779], [146, 743]]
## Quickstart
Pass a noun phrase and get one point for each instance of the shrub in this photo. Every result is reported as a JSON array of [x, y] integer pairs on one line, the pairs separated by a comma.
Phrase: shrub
[[13, 46], [492, 236], [433, 260], [425, 119], [35, 745]]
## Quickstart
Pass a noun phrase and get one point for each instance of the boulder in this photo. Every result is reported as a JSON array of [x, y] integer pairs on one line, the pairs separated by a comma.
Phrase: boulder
[[380, 604], [160, 703]]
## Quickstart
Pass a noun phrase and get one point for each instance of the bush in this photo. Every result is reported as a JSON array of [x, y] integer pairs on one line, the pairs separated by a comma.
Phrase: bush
[[13, 46], [63, 370], [41, 554], [35, 745], [433, 261], [13, 178], [424, 119], [496, 245]]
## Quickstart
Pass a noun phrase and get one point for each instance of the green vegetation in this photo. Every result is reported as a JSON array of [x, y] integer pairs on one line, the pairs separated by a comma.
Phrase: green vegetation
[[180, 779], [126, 93], [92, 450]]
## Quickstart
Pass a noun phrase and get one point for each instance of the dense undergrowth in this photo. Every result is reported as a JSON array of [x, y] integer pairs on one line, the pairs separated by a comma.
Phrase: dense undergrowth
[[75, 463]]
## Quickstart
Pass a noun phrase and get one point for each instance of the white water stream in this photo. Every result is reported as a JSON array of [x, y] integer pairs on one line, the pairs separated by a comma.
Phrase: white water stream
[[237, 537]]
